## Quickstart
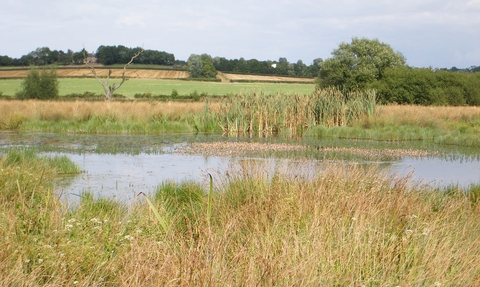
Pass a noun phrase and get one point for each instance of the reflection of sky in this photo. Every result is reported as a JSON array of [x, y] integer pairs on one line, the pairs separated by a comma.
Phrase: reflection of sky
[[124, 176], [439, 172]]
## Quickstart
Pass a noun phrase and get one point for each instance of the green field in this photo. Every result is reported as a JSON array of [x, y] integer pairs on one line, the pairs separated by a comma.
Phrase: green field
[[164, 87]]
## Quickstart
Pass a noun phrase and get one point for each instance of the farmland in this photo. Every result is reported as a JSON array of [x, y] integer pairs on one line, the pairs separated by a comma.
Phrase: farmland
[[162, 82]]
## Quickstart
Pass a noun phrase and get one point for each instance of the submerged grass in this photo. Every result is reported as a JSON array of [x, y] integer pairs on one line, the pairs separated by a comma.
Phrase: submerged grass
[[345, 226]]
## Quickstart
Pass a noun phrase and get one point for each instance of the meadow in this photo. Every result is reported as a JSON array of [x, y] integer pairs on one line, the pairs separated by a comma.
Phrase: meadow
[[345, 226], [8, 87]]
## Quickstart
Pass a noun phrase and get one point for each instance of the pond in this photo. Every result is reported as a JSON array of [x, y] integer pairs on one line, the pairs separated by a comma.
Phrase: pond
[[121, 167]]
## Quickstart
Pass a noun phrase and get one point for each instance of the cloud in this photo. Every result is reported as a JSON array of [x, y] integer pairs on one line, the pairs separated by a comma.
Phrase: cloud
[[430, 32]]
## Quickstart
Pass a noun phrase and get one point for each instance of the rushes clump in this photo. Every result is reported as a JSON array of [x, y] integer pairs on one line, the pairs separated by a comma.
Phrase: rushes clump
[[262, 115]]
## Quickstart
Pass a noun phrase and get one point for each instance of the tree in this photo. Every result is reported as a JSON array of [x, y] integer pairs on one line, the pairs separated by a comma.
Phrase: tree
[[358, 64], [195, 66], [201, 66], [43, 85], [109, 90]]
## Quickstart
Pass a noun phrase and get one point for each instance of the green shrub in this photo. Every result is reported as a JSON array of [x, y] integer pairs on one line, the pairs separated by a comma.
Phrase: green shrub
[[39, 85], [174, 94]]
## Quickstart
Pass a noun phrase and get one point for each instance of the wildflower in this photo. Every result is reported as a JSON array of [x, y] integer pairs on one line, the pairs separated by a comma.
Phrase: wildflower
[[95, 220]]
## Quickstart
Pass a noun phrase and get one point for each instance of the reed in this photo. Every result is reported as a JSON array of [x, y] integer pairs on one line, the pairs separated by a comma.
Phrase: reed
[[262, 115]]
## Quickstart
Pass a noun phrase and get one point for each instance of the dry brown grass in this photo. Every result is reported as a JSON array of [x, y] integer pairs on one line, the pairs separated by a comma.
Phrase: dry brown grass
[[345, 226], [425, 115], [11, 111]]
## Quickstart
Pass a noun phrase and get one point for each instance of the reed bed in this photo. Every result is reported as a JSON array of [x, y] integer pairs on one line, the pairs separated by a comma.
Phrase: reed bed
[[262, 115], [344, 226]]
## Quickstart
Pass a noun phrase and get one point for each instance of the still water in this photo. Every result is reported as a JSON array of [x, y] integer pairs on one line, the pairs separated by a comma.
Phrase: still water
[[123, 166]]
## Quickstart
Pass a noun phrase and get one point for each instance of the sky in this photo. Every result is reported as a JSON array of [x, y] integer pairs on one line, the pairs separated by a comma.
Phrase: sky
[[429, 33]]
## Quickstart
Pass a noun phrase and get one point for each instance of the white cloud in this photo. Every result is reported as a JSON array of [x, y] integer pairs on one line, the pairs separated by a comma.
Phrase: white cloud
[[431, 32]]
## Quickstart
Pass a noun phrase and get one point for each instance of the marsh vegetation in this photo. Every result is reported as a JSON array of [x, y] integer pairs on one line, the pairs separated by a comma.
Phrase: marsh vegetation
[[343, 224]]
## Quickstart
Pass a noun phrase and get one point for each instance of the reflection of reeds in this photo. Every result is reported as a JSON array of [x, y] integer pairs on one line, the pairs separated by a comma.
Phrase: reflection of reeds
[[262, 115]]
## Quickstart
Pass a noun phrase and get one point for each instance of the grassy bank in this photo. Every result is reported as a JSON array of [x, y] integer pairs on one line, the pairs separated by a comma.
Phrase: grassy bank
[[442, 125], [346, 226]]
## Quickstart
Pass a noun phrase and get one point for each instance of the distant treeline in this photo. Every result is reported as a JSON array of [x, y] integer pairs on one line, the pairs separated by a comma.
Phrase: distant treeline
[[106, 55], [111, 55], [280, 67]]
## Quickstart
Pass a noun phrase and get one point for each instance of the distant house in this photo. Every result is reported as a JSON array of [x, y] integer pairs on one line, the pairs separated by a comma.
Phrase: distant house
[[274, 65], [91, 58]]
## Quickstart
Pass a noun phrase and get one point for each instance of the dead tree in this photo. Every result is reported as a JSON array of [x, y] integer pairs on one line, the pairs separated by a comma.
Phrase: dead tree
[[109, 90]]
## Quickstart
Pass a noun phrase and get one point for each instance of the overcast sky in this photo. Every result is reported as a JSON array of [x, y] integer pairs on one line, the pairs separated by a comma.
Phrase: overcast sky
[[437, 33]]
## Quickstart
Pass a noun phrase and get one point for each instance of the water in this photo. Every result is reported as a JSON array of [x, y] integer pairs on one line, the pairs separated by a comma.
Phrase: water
[[123, 176], [121, 167], [438, 172]]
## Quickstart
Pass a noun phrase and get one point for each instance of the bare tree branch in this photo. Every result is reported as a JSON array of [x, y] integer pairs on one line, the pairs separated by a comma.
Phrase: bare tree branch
[[109, 90]]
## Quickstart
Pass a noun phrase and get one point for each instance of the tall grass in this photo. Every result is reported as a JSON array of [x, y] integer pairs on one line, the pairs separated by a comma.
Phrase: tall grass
[[345, 226], [442, 125], [262, 115], [100, 117]]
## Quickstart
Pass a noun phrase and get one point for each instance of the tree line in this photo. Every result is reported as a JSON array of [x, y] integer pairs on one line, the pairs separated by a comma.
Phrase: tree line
[[200, 66], [361, 64], [106, 55]]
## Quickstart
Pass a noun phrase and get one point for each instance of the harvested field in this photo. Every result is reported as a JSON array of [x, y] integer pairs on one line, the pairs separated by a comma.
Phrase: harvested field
[[85, 72], [269, 78], [155, 74]]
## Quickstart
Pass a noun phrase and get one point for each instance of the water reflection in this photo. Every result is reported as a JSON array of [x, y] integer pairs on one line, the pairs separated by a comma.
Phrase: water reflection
[[123, 176], [121, 166], [438, 172]]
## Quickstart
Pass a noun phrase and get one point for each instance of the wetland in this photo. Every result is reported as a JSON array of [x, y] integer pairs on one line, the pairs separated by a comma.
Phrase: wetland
[[123, 166]]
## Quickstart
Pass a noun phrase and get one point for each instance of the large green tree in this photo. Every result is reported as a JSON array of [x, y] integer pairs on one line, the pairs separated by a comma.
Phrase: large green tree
[[357, 64]]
